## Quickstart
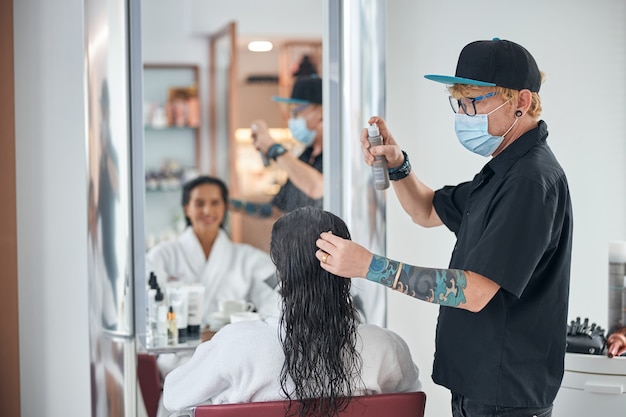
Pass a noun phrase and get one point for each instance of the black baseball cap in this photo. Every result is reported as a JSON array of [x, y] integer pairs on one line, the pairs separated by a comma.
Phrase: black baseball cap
[[494, 63], [306, 90]]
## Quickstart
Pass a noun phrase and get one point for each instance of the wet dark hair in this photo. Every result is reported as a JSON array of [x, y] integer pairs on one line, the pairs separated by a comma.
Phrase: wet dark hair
[[202, 180], [319, 321]]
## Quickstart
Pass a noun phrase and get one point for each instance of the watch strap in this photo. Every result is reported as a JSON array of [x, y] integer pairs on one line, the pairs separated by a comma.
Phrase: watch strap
[[275, 151], [402, 171]]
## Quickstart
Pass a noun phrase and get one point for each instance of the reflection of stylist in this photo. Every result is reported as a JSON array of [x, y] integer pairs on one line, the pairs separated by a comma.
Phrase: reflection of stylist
[[305, 186]]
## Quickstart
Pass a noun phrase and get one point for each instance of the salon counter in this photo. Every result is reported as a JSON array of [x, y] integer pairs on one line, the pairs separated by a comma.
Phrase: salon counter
[[188, 346]]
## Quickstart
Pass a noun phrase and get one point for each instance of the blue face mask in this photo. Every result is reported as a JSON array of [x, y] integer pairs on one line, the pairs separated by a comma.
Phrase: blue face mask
[[300, 132], [473, 133]]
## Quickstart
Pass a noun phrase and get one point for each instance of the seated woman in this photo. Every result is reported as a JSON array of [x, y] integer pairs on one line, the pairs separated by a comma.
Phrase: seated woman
[[204, 254], [313, 349]]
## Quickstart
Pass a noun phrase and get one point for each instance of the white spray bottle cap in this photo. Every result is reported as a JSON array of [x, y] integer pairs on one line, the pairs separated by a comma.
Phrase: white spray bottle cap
[[372, 130]]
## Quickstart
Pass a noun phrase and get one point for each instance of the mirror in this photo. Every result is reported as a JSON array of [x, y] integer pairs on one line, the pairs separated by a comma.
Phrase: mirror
[[234, 87], [240, 86], [181, 115]]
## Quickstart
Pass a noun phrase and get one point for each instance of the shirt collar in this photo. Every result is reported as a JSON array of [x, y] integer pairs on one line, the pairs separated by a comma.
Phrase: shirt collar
[[512, 153]]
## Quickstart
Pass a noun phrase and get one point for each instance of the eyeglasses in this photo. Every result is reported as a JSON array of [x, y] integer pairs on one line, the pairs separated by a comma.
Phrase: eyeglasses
[[298, 109], [468, 104]]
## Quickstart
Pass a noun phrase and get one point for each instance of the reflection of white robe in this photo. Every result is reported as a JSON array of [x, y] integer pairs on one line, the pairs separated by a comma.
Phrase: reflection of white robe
[[233, 271], [242, 363]]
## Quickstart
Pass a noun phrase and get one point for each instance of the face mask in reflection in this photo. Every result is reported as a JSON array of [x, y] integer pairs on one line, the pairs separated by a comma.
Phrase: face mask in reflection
[[300, 132]]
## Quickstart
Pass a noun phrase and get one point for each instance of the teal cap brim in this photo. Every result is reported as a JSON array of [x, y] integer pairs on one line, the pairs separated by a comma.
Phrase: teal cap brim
[[446, 79], [290, 100]]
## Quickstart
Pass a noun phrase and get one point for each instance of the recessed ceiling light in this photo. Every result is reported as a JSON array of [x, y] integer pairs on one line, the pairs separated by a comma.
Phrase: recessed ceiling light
[[260, 46]]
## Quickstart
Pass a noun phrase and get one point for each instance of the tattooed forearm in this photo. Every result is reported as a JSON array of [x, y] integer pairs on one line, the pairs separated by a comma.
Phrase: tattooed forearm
[[438, 286]]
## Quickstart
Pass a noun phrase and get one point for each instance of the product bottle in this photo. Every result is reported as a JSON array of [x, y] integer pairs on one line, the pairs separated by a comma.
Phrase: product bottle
[[379, 167], [151, 334], [172, 328], [159, 325]]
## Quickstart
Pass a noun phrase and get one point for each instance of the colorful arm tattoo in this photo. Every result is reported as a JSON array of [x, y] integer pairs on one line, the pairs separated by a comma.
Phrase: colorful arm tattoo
[[438, 286]]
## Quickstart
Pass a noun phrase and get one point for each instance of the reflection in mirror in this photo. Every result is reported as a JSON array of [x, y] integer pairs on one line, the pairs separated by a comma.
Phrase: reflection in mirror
[[208, 70], [261, 185], [171, 144], [234, 88]]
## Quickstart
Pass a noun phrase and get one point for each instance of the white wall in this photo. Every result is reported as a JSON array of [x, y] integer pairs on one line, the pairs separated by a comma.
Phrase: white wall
[[267, 18], [51, 208], [580, 45]]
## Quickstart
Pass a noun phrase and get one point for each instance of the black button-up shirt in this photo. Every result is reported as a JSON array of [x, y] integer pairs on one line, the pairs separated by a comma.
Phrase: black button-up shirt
[[289, 196], [513, 224]]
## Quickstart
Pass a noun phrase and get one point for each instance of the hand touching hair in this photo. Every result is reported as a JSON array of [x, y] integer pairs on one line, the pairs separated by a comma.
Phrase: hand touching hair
[[319, 321]]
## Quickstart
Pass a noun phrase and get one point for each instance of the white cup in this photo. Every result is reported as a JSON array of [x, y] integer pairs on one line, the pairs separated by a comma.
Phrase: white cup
[[228, 307], [244, 316]]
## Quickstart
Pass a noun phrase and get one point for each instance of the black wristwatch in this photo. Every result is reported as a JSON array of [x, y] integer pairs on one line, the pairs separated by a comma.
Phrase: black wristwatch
[[275, 151], [402, 171]]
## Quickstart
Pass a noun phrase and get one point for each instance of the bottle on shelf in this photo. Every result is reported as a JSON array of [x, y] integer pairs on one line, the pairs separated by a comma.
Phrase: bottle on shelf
[[172, 327], [151, 334], [158, 322]]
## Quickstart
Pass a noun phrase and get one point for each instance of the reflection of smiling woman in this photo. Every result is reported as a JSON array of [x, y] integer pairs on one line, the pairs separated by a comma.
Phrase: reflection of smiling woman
[[205, 210], [205, 254]]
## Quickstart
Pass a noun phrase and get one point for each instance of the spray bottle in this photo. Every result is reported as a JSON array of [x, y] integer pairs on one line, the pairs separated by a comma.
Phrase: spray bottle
[[379, 167]]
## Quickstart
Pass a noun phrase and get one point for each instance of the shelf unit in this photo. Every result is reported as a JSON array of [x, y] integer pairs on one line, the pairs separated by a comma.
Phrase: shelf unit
[[171, 144]]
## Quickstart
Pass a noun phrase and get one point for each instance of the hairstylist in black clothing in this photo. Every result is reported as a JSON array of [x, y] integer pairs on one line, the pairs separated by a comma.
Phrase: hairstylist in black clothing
[[305, 184], [500, 342]]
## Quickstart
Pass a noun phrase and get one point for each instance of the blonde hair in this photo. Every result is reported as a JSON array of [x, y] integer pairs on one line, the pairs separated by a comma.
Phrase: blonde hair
[[466, 90]]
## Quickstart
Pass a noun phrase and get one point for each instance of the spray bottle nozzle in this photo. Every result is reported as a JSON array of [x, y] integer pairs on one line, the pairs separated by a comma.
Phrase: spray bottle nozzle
[[372, 130]]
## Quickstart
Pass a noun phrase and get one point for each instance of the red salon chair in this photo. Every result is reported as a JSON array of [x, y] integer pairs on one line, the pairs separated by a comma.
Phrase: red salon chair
[[406, 404], [150, 382]]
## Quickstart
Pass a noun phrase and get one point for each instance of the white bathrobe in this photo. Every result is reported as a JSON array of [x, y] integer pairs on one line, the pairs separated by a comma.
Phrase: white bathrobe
[[242, 363], [233, 271]]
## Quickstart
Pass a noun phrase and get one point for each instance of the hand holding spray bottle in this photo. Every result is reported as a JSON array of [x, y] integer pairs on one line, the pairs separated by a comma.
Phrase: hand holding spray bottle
[[254, 128], [380, 171]]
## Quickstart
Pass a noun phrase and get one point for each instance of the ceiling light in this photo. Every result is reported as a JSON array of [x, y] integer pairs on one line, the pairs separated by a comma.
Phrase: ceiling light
[[260, 46]]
